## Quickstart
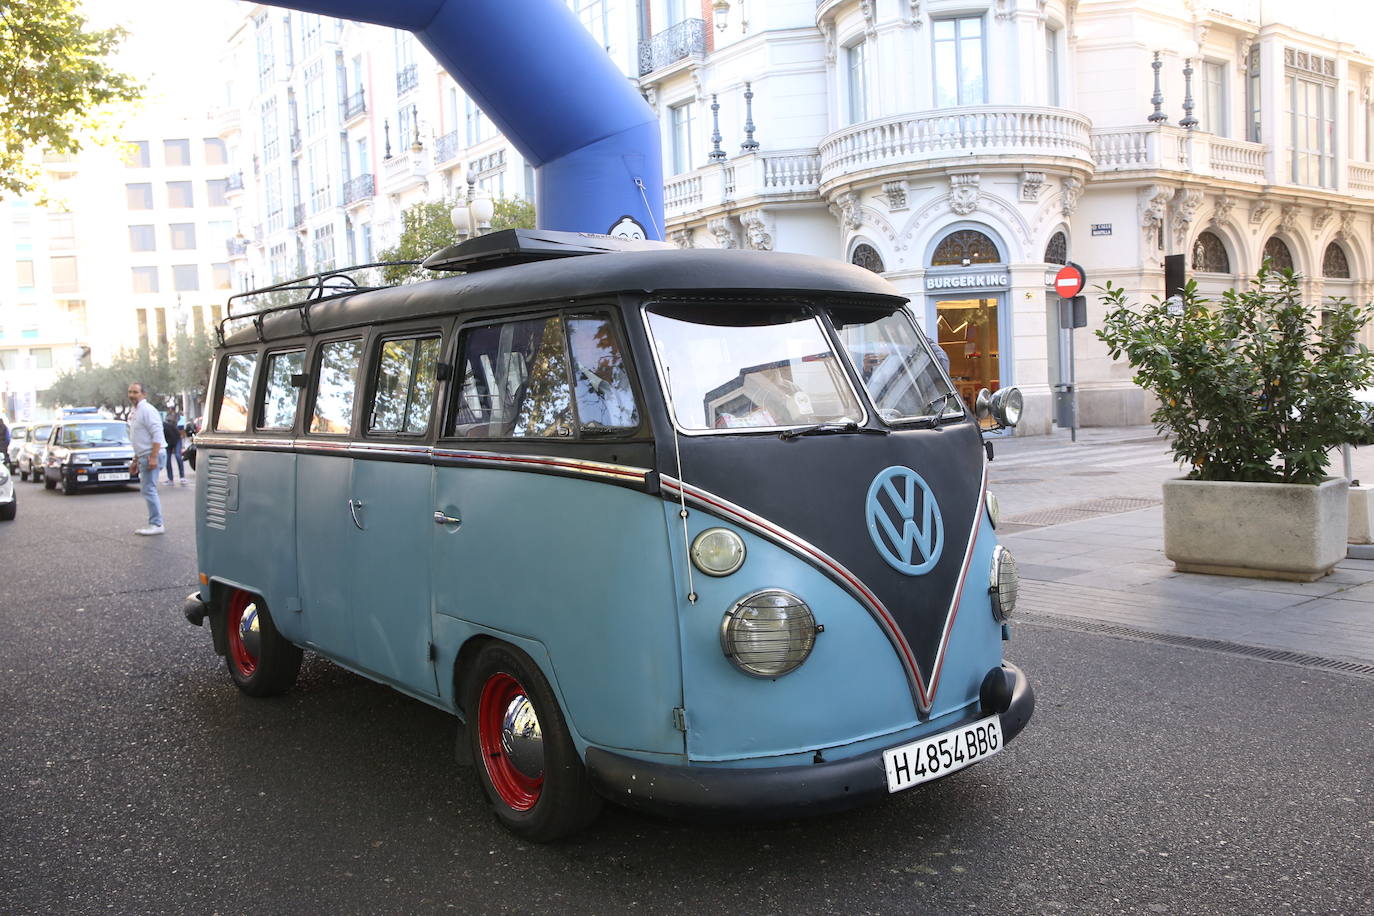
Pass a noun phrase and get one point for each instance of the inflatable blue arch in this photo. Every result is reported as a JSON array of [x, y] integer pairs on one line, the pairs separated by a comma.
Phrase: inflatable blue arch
[[552, 90]]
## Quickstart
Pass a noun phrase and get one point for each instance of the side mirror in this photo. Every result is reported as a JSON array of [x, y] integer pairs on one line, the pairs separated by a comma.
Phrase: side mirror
[[1006, 406]]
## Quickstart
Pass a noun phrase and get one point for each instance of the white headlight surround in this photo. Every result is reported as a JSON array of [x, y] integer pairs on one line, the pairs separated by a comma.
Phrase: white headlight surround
[[718, 552], [1003, 583], [768, 633], [994, 508]]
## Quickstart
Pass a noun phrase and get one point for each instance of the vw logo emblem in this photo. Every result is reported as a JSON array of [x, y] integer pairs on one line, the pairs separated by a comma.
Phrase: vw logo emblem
[[904, 521]]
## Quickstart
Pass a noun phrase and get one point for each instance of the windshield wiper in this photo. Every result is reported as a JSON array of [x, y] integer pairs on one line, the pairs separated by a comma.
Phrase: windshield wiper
[[938, 415], [849, 426]]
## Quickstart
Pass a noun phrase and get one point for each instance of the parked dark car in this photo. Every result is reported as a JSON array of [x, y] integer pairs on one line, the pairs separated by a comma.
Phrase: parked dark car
[[88, 453]]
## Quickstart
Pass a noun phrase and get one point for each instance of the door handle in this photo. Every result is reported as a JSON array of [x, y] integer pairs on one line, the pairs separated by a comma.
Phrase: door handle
[[353, 506], [442, 519]]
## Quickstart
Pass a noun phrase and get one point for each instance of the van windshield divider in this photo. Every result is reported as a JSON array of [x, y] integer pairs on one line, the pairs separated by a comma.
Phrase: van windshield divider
[[317, 287]]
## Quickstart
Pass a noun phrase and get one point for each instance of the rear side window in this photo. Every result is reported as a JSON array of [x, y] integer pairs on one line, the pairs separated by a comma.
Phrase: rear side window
[[338, 376], [281, 396], [514, 381], [237, 392], [404, 389], [601, 379]]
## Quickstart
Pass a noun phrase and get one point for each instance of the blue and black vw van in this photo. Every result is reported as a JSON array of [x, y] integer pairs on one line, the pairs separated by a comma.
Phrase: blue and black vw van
[[702, 532]]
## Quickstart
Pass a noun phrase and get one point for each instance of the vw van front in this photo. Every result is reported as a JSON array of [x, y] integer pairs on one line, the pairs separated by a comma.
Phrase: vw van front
[[843, 599]]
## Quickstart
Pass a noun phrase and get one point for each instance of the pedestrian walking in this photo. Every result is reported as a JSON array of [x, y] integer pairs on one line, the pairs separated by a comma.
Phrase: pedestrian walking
[[171, 431], [4, 443], [145, 432]]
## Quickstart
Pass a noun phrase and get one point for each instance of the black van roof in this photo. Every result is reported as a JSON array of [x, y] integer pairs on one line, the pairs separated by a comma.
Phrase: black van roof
[[689, 272]]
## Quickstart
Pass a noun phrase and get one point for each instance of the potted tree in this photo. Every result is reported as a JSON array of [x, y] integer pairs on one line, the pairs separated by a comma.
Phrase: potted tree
[[1255, 393]]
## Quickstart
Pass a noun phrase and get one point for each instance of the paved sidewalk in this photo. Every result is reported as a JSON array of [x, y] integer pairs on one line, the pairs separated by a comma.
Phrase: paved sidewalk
[[1108, 571]]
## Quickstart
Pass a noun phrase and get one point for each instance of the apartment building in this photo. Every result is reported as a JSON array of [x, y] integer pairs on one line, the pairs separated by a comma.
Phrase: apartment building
[[130, 249]]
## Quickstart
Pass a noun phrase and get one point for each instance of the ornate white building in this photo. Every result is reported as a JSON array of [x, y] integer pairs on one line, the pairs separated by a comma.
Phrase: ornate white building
[[964, 150]]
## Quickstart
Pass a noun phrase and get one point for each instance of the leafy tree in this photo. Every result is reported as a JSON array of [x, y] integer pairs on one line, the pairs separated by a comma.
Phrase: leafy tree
[[164, 375], [426, 228], [54, 84]]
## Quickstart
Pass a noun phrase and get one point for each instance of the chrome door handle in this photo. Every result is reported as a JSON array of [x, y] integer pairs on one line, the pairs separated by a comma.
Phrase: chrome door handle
[[353, 506], [442, 519]]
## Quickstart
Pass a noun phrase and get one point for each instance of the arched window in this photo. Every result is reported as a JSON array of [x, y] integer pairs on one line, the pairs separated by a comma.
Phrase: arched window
[[867, 257], [1057, 251], [1334, 263], [964, 247], [1209, 255], [1276, 250]]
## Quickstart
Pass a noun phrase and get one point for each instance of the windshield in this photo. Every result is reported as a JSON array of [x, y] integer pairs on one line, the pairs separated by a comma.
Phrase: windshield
[[896, 364], [94, 435], [757, 368]]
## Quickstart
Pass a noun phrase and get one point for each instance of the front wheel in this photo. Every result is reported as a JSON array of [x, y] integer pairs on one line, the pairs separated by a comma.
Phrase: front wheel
[[68, 485], [522, 750], [261, 661]]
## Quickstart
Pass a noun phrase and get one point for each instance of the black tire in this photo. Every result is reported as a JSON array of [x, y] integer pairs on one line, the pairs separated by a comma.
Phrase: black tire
[[68, 485], [560, 801], [48, 482], [261, 662], [10, 509], [23, 474]]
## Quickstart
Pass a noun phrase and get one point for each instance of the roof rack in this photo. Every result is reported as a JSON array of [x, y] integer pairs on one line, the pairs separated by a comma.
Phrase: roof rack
[[522, 246], [318, 287]]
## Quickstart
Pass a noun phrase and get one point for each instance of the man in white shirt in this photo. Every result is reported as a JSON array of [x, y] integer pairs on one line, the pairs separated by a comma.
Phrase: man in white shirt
[[145, 433]]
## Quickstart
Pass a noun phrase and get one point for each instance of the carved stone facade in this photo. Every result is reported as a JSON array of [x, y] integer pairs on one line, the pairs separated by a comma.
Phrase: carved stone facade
[[963, 193]]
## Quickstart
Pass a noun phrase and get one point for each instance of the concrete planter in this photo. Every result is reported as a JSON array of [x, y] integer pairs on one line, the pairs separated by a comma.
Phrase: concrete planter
[[1263, 530]]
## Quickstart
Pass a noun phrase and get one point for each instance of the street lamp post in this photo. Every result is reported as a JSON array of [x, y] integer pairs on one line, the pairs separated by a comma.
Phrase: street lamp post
[[472, 214]]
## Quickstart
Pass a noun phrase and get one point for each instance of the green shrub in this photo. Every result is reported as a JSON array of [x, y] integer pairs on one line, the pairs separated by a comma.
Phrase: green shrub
[[1254, 388]]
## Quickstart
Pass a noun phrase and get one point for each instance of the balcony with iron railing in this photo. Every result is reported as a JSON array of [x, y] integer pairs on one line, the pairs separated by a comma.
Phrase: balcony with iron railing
[[685, 40], [236, 248], [448, 148], [354, 106], [298, 215], [296, 143], [967, 138], [233, 183], [358, 189], [407, 78]]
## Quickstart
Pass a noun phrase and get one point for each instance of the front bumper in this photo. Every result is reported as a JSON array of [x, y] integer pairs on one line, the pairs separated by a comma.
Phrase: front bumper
[[767, 792]]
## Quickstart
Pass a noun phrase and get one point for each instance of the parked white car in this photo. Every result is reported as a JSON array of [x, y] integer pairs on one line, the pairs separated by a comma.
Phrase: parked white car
[[9, 500]]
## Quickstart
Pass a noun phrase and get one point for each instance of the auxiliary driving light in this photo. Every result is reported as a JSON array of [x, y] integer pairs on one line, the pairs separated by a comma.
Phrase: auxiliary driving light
[[718, 551], [1003, 581], [768, 633]]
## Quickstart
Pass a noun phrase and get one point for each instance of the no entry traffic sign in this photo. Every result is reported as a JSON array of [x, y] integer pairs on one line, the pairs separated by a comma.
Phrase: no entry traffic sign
[[1069, 281]]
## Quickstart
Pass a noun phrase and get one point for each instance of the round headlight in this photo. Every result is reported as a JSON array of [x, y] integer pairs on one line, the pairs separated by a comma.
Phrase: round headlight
[[994, 509], [1003, 581], [768, 633], [1006, 406], [718, 551]]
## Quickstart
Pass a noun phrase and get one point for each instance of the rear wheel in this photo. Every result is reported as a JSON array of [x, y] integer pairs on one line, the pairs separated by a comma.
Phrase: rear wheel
[[23, 474], [261, 661], [522, 750], [49, 483]]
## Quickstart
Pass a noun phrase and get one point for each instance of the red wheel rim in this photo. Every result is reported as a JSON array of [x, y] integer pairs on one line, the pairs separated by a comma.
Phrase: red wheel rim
[[517, 790], [239, 655]]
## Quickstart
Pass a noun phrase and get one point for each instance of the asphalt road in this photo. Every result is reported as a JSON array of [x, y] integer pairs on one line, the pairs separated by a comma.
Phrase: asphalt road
[[135, 779]]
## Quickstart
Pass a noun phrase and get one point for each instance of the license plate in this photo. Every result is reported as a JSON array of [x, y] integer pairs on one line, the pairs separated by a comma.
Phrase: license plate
[[114, 475], [942, 754]]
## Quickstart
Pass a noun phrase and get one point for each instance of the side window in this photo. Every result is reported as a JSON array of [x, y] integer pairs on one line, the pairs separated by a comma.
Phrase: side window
[[404, 390], [280, 398], [601, 380], [237, 393], [514, 381], [337, 376]]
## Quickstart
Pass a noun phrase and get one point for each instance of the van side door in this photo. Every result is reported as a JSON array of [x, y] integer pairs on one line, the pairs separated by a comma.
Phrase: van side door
[[394, 502], [326, 533]]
